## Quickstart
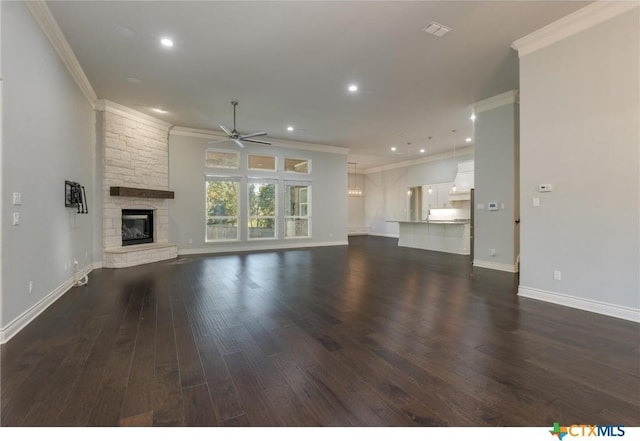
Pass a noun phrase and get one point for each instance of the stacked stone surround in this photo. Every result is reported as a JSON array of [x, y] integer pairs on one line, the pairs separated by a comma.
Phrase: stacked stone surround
[[135, 154]]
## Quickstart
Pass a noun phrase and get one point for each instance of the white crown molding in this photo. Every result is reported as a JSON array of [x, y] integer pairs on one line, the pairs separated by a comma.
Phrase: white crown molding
[[17, 324], [464, 151], [510, 97], [220, 248], [618, 311], [43, 16], [582, 19], [298, 145], [120, 110], [509, 268]]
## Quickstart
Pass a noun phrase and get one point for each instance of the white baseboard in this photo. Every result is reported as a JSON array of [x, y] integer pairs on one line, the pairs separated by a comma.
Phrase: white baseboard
[[97, 265], [221, 248], [393, 236], [621, 312], [495, 265], [358, 231], [10, 330]]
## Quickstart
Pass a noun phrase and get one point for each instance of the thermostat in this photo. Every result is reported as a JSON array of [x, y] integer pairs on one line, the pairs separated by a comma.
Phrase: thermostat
[[492, 206], [544, 188]]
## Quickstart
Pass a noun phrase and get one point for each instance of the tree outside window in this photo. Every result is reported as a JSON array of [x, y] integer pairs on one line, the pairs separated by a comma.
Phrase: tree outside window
[[222, 210]]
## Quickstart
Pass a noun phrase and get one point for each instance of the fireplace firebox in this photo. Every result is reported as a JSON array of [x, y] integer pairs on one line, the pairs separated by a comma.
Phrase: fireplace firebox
[[137, 227]]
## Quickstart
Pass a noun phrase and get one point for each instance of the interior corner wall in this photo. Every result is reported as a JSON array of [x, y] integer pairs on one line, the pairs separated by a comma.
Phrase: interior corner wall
[[187, 173], [580, 116], [48, 136], [385, 192], [495, 181]]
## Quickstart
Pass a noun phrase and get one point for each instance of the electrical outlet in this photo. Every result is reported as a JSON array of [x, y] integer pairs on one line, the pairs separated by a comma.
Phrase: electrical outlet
[[31, 287], [557, 275], [16, 218]]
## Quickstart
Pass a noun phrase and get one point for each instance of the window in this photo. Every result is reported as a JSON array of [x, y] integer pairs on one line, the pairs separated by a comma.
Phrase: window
[[262, 209], [222, 159], [257, 162], [297, 213], [297, 165], [222, 195]]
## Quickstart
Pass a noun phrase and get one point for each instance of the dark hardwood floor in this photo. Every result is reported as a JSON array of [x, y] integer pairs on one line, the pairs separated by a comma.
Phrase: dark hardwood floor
[[364, 335]]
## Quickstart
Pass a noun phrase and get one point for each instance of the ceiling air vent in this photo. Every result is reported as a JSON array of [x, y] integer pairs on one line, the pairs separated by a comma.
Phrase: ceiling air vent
[[436, 29]]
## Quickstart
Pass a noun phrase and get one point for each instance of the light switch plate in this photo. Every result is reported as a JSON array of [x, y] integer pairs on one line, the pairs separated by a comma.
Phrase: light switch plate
[[17, 198], [536, 202], [16, 218]]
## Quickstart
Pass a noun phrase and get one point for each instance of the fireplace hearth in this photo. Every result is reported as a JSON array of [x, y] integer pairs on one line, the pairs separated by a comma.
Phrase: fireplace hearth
[[137, 227]]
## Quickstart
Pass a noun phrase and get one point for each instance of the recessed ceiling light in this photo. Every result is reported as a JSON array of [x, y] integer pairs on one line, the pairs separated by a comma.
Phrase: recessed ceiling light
[[134, 80], [421, 150], [166, 42], [473, 117], [353, 88], [125, 31], [290, 129], [393, 149], [468, 140], [159, 110]]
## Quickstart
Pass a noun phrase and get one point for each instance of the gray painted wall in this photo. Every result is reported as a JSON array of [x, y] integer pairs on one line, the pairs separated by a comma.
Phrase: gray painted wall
[[187, 179], [580, 113], [495, 181], [48, 136], [385, 192]]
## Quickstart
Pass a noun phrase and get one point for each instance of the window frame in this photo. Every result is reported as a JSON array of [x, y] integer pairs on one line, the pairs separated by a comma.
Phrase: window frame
[[308, 204], [268, 181], [233, 152], [265, 155], [293, 172], [238, 181]]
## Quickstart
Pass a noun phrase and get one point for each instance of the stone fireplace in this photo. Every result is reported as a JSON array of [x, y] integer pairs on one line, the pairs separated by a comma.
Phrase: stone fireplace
[[136, 165], [137, 227]]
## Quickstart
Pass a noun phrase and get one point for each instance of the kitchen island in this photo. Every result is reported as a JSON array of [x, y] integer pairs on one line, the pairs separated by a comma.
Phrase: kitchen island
[[449, 236]]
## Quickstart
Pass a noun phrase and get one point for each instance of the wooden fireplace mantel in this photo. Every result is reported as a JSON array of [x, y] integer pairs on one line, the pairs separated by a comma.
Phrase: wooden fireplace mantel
[[141, 193]]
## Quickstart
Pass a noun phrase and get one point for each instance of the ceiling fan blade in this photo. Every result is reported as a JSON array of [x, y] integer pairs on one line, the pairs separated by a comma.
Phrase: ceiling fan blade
[[238, 143], [226, 130], [251, 135], [215, 141], [256, 141]]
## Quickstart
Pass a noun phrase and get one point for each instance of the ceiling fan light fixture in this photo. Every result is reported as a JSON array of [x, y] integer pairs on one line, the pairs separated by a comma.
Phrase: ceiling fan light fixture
[[166, 42], [236, 137]]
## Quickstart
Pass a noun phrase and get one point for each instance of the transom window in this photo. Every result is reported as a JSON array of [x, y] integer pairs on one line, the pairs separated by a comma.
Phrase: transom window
[[222, 159], [260, 162], [297, 165]]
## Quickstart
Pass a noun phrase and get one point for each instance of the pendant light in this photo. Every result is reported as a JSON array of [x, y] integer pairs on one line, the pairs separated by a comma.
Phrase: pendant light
[[353, 190]]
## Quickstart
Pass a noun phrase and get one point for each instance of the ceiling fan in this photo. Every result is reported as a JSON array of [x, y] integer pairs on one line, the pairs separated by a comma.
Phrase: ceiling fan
[[237, 137]]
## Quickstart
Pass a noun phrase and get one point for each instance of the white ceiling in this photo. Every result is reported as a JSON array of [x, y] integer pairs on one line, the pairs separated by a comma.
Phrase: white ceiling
[[289, 63]]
